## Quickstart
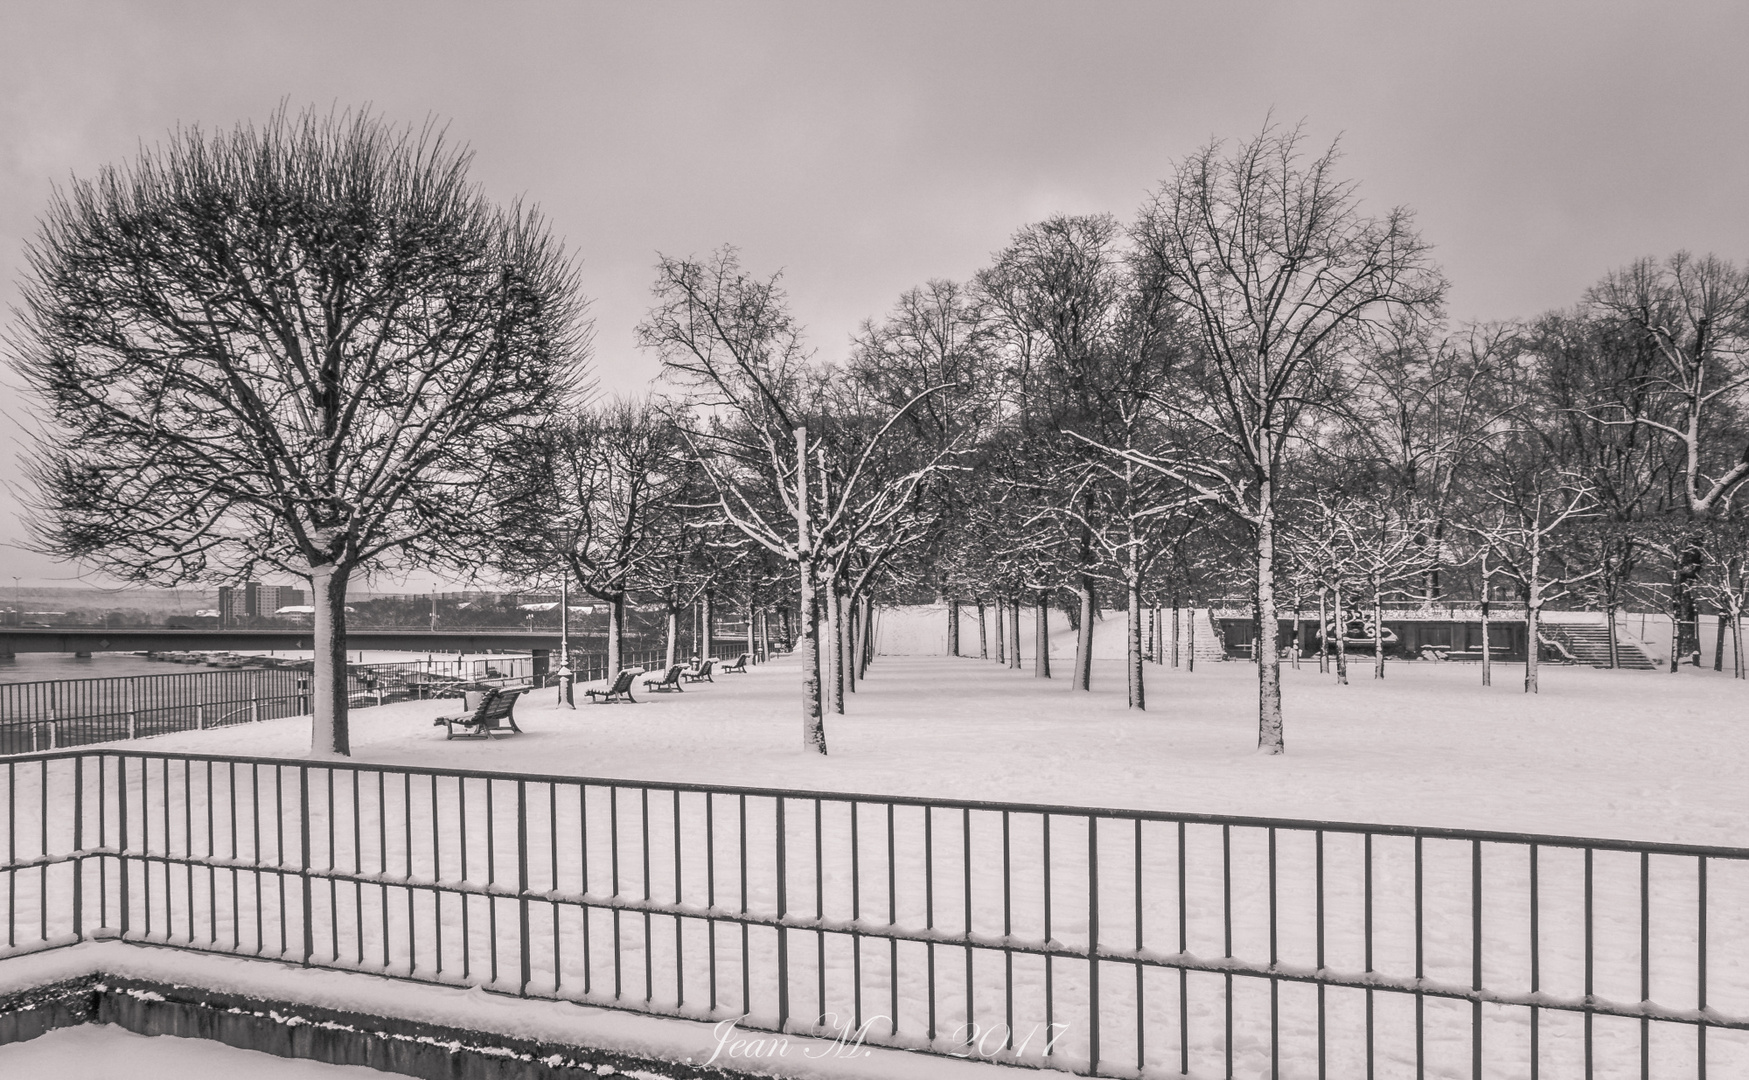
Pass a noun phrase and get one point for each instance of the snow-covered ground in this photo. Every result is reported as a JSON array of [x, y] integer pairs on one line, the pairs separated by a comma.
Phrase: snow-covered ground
[[1613, 754], [106, 1052], [1630, 755]]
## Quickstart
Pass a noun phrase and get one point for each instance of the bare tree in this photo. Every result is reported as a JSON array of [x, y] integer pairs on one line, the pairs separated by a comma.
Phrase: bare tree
[[1693, 314], [594, 494], [727, 339], [1279, 278], [300, 346]]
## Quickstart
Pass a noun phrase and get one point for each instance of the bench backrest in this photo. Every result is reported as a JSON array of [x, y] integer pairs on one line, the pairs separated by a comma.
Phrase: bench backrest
[[623, 681], [705, 668], [673, 673]]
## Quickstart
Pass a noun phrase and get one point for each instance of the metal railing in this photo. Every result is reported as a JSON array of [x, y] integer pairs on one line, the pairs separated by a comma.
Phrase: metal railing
[[1111, 942], [38, 716]]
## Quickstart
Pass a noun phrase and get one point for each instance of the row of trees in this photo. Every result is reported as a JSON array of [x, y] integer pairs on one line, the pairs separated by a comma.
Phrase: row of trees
[[315, 347]]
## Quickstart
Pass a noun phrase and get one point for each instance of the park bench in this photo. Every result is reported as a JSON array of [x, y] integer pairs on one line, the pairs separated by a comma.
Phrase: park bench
[[621, 690], [670, 680], [489, 717], [739, 665], [701, 672]]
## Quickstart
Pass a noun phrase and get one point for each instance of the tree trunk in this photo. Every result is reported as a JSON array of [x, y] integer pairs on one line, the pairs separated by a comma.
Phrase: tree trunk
[[1133, 648], [1041, 642], [706, 616], [1270, 738], [1378, 634], [1532, 649], [813, 716], [953, 628], [865, 654], [1190, 651], [752, 633], [1159, 636], [1609, 611], [1175, 624], [1340, 625], [1324, 631], [983, 634], [1084, 637], [832, 650], [1014, 632], [1487, 646], [673, 641], [851, 623], [1719, 641], [616, 633], [1299, 601], [1001, 632], [329, 734], [764, 634]]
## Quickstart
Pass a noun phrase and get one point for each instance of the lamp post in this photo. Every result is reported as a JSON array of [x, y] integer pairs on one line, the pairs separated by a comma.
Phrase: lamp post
[[565, 675]]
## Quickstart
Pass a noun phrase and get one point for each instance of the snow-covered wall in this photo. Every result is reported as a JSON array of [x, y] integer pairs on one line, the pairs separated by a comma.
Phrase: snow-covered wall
[[921, 630]]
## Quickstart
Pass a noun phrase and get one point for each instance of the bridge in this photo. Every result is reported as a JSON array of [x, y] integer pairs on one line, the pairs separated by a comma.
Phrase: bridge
[[165, 639]]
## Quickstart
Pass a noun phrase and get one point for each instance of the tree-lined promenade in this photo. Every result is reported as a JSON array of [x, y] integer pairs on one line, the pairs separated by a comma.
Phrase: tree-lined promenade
[[316, 347]]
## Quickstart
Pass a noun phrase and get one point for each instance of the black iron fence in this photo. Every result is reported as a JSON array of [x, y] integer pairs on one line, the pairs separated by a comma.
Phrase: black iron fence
[[49, 715], [1110, 942]]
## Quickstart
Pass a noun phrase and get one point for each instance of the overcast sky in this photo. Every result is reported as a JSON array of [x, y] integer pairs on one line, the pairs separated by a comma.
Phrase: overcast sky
[[864, 148]]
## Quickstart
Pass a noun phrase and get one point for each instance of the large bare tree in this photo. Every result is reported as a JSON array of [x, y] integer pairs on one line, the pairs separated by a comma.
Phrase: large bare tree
[[299, 346], [1278, 278]]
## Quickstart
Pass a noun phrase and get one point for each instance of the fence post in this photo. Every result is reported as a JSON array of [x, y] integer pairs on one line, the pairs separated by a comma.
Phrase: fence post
[[522, 878], [79, 847], [304, 868], [199, 701], [782, 935], [131, 692]]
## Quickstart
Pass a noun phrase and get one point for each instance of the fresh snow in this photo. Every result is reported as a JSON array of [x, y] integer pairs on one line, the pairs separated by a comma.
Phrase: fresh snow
[[106, 1052], [1632, 755], [1617, 754]]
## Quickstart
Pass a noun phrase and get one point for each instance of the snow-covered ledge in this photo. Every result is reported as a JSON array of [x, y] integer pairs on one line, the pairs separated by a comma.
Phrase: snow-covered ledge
[[413, 1028]]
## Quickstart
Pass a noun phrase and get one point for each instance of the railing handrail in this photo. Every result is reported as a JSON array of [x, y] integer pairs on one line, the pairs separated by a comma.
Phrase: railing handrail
[[1425, 832]]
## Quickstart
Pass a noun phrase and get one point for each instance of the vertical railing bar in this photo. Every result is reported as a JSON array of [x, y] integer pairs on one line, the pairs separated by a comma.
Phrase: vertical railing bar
[[855, 917], [1476, 958], [1007, 932], [491, 878], [644, 832], [1420, 971], [1050, 970], [1227, 931], [462, 871], [1141, 1011], [524, 967], [892, 920], [304, 856], [1700, 968], [1645, 962], [819, 913], [1589, 928], [746, 978], [1274, 959], [1535, 964], [966, 894], [710, 879], [1092, 943], [929, 909], [679, 925], [1183, 947], [613, 850], [1323, 1030], [781, 841]]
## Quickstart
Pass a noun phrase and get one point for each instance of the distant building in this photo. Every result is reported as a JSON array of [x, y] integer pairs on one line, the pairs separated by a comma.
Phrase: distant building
[[253, 600]]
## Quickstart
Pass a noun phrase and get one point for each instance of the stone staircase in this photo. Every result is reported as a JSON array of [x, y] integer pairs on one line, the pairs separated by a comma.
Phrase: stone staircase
[[1208, 643], [1589, 644]]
